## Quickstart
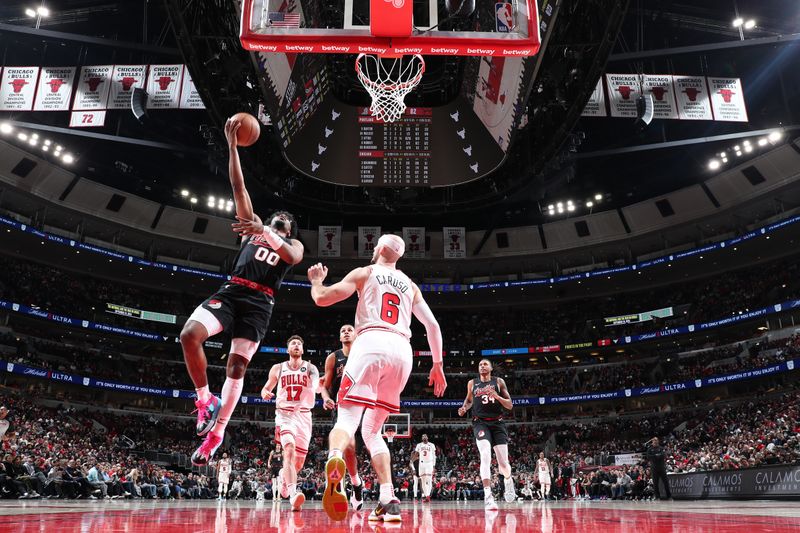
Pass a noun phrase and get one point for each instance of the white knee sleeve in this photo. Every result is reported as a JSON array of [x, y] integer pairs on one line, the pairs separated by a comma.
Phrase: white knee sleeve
[[371, 431], [244, 347], [485, 450], [348, 418]]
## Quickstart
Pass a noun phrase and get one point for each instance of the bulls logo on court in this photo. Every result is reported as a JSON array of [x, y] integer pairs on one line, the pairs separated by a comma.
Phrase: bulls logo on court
[[18, 84]]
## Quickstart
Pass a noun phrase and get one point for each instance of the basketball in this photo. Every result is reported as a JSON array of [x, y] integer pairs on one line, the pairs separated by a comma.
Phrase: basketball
[[249, 130]]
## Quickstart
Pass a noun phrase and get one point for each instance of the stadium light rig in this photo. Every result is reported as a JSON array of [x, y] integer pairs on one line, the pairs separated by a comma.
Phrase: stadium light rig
[[745, 147]]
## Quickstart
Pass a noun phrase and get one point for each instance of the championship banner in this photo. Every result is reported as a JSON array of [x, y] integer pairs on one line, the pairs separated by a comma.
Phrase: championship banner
[[692, 96], [94, 85], [55, 89], [660, 86], [124, 79], [17, 88], [415, 242], [762, 482], [164, 86], [727, 99], [190, 98], [329, 241], [623, 90], [596, 106], [367, 239], [455, 242]]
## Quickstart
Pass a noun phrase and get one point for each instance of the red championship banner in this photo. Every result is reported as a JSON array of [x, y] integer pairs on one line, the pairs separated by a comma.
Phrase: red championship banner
[[660, 86], [190, 98], [94, 84], [367, 239], [124, 79], [17, 88], [329, 241], [455, 242], [692, 97], [164, 86], [596, 106], [55, 89], [623, 90], [415, 242], [727, 99]]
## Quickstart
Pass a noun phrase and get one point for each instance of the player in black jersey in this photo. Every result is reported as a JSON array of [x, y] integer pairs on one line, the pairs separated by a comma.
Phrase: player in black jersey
[[242, 306], [334, 370], [275, 464], [488, 396]]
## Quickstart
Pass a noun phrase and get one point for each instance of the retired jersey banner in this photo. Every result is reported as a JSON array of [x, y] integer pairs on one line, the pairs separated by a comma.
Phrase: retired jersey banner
[[692, 96], [18, 88], [124, 79], [455, 242], [367, 239], [596, 106], [164, 86], [727, 99], [94, 85], [660, 86], [329, 241], [623, 90], [190, 98], [415, 242], [87, 119], [55, 89]]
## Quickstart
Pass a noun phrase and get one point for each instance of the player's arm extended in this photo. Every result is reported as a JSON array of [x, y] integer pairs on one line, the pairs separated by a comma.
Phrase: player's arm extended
[[467, 401], [504, 397], [244, 207], [326, 296], [327, 379], [266, 392], [291, 252], [434, 333]]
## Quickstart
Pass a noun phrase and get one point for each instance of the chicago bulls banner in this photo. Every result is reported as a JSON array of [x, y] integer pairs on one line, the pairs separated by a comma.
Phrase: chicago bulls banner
[[18, 86], [329, 241], [124, 79], [727, 99], [94, 85], [164, 86], [623, 90], [367, 239], [455, 242], [660, 86], [692, 96], [190, 98], [415, 242], [596, 106], [55, 89]]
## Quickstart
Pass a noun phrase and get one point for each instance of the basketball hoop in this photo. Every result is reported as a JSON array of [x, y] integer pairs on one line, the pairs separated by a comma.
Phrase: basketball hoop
[[388, 81], [390, 433]]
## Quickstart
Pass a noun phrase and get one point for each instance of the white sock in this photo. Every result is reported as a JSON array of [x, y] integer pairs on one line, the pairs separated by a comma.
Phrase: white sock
[[335, 453], [203, 394], [292, 489], [231, 392], [487, 491], [387, 493], [355, 480]]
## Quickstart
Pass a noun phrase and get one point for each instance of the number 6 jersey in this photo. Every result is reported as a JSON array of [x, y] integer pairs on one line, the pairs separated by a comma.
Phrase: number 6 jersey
[[385, 301]]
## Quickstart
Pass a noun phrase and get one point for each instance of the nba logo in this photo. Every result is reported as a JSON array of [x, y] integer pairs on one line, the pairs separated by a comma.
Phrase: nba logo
[[504, 17], [698, 383], [789, 365], [175, 393], [691, 327], [10, 367], [541, 401], [244, 399], [15, 307], [627, 393], [85, 382]]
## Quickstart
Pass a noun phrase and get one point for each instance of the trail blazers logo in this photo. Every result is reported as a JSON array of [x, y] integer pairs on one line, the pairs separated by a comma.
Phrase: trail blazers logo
[[214, 304]]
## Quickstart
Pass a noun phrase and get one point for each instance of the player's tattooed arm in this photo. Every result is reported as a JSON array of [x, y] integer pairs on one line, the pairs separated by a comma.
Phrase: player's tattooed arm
[[266, 392], [326, 296], [467, 401], [244, 207], [502, 395]]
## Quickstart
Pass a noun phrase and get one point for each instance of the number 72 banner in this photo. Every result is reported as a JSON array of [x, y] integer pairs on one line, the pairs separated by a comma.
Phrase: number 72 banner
[[87, 119]]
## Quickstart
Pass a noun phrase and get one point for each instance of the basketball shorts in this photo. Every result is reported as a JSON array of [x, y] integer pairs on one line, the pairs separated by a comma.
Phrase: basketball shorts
[[544, 479], [492, 430], [293, 427], [244, 313], [377, 370], [425, 469], [276, 471]]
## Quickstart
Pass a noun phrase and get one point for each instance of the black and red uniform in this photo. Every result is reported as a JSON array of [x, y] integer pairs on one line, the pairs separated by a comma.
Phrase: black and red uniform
[[487, 413]]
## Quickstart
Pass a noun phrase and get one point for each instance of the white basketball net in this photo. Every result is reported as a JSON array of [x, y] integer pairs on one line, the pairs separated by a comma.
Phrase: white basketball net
[[391, 433], [388, 81]]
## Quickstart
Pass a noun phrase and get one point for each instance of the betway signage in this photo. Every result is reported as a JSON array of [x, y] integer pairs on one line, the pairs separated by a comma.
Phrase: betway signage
[[765, 482], [452, 48]]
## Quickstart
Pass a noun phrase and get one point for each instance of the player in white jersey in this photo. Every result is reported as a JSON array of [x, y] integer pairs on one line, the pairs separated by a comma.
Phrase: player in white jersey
[[545, 470], [378, 366], [427, 465], [223, 476], [297, 382]]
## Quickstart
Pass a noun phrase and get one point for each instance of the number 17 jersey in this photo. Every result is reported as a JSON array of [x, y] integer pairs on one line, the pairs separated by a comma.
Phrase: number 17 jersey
[[385, 301]]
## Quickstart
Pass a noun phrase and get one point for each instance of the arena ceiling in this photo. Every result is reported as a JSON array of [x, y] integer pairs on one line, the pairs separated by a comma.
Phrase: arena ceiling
[[558, 156]]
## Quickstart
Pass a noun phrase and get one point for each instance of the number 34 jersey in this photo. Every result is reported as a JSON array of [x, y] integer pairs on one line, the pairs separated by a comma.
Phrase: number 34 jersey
[[385, 301]]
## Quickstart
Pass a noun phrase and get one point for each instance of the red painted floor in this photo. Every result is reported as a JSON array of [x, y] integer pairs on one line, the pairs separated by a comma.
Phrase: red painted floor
[[234, 517]]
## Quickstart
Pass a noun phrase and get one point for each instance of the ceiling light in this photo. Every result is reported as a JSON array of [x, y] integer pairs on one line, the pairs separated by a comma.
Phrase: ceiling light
[[750, 24], [560, 205], [6, 128], [45, 148], [48, 142], [713, 164], [551, 212], [775, 136], [551, 207], [724, 159], [32, 141], [570, 208], [738, 22], [598, 197], [22, 137], [762, 142], [746, 143], [193, 200], [560, 210], [569, 202], [229, 208], [30, 12], [44, 12], [210, 204], [738, 154], [184, 193], [748, 149], [737, 148], [589, 204], [35, 136], [68, 158], [59, 147]]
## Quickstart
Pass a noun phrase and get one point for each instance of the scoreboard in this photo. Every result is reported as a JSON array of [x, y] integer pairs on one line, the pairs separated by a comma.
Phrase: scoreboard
[[395, 154]]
